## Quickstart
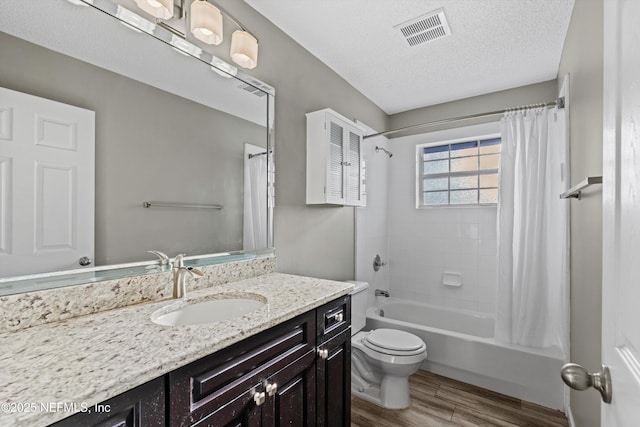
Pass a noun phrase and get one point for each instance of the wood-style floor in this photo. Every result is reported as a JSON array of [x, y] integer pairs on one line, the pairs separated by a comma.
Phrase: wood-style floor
[[440, 401]]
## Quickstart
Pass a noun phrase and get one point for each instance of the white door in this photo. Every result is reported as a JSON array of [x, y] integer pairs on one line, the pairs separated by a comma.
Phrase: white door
[[46, 184], [621, 212]]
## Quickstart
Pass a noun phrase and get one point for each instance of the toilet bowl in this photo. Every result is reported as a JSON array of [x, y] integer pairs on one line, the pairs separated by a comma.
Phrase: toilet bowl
[[383, 359]]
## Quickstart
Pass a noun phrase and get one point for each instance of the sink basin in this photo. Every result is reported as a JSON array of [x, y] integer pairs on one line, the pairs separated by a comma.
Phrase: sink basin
[[214, 310]]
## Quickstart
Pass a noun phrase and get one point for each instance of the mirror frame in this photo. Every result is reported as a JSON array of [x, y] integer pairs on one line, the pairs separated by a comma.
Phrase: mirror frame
[[57, 279]]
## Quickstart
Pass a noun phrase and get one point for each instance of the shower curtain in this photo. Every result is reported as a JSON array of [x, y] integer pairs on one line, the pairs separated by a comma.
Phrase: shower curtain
[[255, 203], [533, 230]]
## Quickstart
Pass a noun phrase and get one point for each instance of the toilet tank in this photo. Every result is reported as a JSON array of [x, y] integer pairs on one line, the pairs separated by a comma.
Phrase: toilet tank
[[358, 306]]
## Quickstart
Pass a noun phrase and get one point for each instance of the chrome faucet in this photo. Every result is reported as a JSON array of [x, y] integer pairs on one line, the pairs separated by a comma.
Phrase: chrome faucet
[[382, 293], [180, 273], [163, 259]]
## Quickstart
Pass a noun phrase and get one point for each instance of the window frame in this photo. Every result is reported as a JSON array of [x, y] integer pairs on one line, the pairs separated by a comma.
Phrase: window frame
[[420, 175]]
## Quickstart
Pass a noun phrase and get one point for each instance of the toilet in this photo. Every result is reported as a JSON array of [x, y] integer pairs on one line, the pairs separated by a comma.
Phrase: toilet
[[383, 359]]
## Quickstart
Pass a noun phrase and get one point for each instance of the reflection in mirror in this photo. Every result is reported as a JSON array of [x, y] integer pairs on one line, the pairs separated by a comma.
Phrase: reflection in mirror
[[153, 124]]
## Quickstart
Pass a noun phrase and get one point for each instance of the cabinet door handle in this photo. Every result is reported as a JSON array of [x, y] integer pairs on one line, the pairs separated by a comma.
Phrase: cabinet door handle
[[271, 389], [259, 398], [339, 317], [323, 353]]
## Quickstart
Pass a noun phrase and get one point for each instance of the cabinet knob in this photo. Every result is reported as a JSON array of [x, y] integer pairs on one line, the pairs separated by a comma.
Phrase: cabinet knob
[[271, 389], [259, 398], [323, 353], [339, 317]]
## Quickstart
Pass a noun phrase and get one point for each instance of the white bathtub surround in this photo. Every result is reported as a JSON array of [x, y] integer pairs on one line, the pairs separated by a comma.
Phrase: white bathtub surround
[[452, 278], [533, 255], [461, 345], [371, 221], [426, 243]]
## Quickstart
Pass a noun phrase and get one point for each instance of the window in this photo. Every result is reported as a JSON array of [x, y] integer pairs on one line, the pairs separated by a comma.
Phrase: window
[[461, 173]]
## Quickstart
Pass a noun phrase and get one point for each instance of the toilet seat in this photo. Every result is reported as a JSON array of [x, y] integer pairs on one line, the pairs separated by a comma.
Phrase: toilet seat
[[394, 342]]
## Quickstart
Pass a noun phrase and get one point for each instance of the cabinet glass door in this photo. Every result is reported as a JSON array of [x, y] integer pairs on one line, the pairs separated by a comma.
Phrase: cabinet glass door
[[354, 171], [335, 174]]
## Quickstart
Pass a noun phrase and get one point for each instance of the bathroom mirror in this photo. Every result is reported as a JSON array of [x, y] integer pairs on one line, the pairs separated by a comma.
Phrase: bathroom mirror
[[178, 134]]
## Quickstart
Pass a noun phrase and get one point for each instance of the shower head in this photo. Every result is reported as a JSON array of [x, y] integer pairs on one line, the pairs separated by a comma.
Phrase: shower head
[[389, 153]]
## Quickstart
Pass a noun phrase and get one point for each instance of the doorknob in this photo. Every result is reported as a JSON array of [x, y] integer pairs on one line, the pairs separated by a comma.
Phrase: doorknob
[[578, 378], [84, 261]]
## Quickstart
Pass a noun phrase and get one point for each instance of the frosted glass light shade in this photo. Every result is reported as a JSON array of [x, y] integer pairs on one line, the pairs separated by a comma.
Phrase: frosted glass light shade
[[206, 22], [162, 9], [244, 49]]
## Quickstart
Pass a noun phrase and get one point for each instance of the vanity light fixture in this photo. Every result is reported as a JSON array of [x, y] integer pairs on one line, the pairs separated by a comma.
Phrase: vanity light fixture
[[244, 49], [244, 46], [206, 22], [162, 9]]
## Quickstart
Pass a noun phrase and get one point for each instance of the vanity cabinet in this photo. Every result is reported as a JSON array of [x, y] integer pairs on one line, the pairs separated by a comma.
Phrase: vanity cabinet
[[297, 373], [335, 164]]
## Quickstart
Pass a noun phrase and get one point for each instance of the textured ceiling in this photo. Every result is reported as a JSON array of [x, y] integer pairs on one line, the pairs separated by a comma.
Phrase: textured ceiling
[[495, 45]]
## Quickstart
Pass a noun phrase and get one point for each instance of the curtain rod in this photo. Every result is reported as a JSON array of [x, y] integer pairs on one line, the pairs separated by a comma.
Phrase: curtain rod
[[558, 102]]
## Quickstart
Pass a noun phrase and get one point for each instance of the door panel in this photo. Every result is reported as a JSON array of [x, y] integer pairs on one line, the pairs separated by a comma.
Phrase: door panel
[[334, 382], [621, 211], [47, 178], [293, 403]]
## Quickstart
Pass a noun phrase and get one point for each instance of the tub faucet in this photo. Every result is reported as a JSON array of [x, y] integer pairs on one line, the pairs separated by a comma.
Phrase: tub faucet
[[382, 293], [180, 273]]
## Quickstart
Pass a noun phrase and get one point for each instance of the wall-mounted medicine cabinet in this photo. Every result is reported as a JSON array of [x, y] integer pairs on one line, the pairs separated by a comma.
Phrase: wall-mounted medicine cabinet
[[335, 164]]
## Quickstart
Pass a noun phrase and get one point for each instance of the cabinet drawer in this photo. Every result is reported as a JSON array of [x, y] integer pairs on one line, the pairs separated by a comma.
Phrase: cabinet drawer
[[206, 388], [333, 318]]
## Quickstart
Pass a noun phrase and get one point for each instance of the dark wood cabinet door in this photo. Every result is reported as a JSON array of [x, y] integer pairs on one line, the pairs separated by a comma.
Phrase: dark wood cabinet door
[[293, 403], [333, 379], [142, 406], [218, 390]]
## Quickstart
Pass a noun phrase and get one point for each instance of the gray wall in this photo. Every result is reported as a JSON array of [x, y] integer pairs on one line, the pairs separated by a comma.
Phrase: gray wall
[[309, 240], [535, 93], [145, 151], [582, 58]]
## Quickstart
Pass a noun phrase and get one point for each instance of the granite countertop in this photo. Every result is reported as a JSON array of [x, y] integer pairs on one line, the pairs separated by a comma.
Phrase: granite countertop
[[88, 359]]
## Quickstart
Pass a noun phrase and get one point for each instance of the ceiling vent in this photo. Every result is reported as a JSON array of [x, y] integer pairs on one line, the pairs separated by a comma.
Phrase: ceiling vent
[[425, 28]]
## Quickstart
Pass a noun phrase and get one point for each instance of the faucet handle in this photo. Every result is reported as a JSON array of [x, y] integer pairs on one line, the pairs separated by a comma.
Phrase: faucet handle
[[163, 259], [195, 273], [178, 261]]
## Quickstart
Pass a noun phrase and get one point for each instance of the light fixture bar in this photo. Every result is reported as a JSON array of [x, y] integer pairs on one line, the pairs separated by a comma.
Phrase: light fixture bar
[[231, 17]]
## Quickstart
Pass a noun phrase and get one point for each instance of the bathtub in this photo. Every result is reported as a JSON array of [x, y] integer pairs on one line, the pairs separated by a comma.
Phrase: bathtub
[[461, 345]]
